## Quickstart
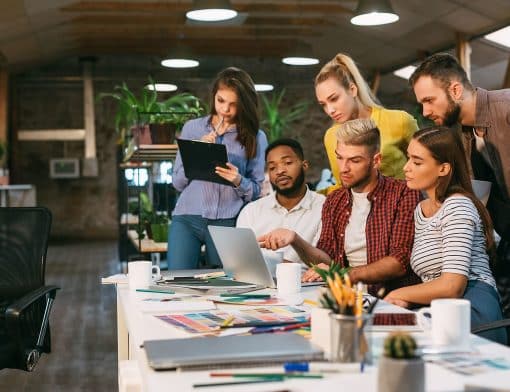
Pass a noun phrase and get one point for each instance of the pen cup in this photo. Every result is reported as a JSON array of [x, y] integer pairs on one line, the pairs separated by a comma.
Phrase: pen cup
[[349, 341]]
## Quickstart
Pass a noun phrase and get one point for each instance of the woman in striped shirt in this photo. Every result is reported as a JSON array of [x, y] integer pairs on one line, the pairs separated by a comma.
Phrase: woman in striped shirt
[[234, 122], [453, 245]]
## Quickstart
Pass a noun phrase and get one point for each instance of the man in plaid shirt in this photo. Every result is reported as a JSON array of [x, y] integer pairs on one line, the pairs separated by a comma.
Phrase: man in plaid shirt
[[367, 224]]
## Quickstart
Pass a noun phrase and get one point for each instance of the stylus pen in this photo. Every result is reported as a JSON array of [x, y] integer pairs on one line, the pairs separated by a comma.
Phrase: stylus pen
[[219, 384]]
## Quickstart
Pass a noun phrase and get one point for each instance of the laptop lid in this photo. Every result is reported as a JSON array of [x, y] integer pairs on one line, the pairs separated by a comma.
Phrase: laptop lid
[[241, 256], [200, 159], [193, 353]]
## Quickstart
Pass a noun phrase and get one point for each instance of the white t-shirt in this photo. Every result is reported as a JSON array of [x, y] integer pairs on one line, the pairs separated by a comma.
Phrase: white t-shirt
[[355, 245], [266, 214]]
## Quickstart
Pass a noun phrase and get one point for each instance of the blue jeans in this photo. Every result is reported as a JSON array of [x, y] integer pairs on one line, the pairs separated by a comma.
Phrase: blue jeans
[[485, 308], [186, 236]]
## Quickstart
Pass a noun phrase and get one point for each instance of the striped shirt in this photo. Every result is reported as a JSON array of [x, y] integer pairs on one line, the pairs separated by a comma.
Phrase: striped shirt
[[216, 201], [452, 240]]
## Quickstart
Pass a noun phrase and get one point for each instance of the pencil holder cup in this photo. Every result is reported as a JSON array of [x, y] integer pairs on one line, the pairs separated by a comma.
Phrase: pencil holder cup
[[349, 341]]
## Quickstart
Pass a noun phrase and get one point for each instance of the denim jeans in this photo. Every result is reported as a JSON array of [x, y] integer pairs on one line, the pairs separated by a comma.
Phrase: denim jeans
[[186, 236], [485, 308]]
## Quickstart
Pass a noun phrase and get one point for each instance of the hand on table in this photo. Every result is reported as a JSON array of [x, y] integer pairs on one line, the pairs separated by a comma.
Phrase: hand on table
[[312, 276], [392, 298]]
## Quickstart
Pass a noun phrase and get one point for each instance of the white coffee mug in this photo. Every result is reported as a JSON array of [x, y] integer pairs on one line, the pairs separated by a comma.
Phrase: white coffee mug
[[450, 322], [272, 259], [141, 274], [288, 278]]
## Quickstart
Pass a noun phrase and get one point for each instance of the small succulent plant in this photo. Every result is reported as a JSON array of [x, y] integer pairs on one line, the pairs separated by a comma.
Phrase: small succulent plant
[[400, 345]]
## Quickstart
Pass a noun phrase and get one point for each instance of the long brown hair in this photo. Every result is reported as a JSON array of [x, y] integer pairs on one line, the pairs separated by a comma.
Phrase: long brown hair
[[445, 146], [343, 69], [247, 117]]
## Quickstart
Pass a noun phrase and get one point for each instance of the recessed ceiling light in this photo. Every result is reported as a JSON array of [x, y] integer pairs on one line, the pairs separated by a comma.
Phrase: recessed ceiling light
[[264, 87], [211, 11], [501, 36], [161, 87], [300, 60], [179, 63], [405, 72], [374, 13]]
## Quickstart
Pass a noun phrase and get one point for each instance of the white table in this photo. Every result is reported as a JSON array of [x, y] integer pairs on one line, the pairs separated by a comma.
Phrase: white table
[[134, 327]]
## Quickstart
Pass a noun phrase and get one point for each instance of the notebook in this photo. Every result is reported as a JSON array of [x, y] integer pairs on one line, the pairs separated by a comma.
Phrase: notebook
[[200, 159], [241, 256], [209, 352]]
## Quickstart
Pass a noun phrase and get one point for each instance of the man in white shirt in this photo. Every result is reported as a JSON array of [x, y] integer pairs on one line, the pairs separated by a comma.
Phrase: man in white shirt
[[292, 205]]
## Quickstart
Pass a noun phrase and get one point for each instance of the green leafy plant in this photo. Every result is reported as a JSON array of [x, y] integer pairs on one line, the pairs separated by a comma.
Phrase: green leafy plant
[[145, 108], [400, 345], [334, 268], [275, 119]]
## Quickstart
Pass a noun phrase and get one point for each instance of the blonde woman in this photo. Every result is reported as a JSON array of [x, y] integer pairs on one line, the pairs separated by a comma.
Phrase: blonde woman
[[344, 95]]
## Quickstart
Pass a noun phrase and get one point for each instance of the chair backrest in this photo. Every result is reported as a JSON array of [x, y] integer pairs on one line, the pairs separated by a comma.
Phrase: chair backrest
[[24, 233]]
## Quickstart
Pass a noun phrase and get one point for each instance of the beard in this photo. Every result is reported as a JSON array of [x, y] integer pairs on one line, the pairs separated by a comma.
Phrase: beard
[[451, 116], [364, 180], [293, 188]]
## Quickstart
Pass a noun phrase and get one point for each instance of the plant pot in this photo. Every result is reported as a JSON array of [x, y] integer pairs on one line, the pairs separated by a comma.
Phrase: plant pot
[[162, 133], [159, 232], [141, 135], [401, 375]]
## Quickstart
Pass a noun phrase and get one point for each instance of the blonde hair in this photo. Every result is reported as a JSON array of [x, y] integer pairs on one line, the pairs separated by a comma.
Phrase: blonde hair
[[343, 68], [360, 132]]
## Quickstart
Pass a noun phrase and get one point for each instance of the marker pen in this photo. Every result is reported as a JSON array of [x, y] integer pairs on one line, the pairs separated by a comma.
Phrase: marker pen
[[321, 367]]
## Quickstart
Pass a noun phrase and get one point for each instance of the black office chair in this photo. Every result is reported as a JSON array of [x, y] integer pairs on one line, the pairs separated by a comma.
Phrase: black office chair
[[25, 302]]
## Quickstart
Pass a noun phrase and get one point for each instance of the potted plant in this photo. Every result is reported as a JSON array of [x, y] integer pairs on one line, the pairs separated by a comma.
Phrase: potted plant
[[135, 114], [154, 222], [275, 119], [400, 368]]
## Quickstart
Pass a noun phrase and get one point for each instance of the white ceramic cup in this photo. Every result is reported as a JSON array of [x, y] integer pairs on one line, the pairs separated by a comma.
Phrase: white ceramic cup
[[288, 278], [272, 259], [141, 274], [450, 322]]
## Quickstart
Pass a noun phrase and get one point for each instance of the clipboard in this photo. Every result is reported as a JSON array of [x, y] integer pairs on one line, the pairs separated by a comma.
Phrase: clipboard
[[200, 159]]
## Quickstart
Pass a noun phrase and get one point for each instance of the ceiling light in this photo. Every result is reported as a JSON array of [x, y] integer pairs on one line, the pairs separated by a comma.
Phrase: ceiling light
[[373, 13], [300, 60], [300, 54], [501, 36], [211, 11], [179, 63], [405, 72], [161, 87], [263, 87]]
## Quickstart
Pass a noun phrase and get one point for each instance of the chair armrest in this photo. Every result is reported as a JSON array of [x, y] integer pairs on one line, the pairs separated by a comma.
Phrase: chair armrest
[[13, 311], [505, 323]]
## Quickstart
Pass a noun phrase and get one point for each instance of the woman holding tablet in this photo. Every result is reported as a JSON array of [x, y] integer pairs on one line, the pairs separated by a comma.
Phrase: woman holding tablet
[[453, 243], [234, 122], [344, 95]]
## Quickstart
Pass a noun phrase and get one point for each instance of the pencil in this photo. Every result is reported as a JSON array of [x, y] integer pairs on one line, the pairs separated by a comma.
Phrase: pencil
[[256, 381], [227, 322]]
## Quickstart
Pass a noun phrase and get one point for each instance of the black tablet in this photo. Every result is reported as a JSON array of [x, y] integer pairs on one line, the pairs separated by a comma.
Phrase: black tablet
[[201, 158]]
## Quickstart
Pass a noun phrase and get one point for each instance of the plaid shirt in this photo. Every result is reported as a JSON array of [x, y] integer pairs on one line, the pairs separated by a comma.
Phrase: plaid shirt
[[389, 228]]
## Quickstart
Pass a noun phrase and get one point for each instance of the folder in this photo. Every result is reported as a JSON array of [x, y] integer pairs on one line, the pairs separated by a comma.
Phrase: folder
[[200, 159]]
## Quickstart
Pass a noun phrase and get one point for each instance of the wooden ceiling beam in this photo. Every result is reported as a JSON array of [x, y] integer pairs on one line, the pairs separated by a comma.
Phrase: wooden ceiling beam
[[310, 6]]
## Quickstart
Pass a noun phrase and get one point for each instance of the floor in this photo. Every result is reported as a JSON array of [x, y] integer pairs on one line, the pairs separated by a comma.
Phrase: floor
[[83, 323]]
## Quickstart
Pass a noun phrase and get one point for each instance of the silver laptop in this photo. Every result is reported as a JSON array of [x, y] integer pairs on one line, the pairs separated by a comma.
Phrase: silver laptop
[[238, 351], [241, 256]]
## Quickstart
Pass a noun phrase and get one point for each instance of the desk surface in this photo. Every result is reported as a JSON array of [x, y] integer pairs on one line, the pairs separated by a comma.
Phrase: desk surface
[[144, 326]]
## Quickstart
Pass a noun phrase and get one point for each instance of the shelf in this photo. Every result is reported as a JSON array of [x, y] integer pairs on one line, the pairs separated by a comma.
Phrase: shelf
[[147, 245], [153, 152]]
